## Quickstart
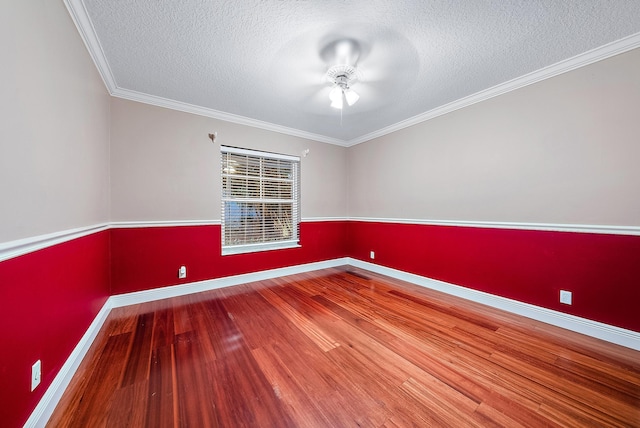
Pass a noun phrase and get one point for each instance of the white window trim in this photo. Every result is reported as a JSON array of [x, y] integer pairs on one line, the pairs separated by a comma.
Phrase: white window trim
[[248, 152], [255, 248], [262, 246]]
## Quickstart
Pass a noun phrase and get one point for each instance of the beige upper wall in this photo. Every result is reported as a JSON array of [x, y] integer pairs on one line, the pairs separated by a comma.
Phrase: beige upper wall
[[565, 150], [561, 151], [164, 167], [54, 153]]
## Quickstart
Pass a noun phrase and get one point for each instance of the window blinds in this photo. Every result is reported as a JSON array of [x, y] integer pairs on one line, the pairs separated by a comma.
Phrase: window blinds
[[260, 200]]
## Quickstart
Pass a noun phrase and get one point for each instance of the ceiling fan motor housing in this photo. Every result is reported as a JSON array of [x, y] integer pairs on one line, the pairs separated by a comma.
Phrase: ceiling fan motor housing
[[343, 75]]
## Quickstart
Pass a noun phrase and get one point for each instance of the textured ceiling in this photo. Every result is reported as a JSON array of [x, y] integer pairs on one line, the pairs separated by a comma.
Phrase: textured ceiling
[[262, 62]]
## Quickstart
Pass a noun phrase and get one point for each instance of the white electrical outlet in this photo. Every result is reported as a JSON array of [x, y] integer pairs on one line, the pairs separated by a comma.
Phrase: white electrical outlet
[[182, 272], [565, 297], [372, 255], [36, 374]]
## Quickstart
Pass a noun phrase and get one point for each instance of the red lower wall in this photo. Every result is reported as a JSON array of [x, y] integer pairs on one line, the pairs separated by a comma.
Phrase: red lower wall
[[145, 258], [49, 298], [602, 271]]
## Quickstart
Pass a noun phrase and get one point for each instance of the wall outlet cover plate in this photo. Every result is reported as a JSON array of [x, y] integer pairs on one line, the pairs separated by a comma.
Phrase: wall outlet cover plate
[[565, 297]]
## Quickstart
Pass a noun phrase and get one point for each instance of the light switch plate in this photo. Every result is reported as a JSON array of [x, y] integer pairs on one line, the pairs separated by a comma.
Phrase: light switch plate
[[36, 374]]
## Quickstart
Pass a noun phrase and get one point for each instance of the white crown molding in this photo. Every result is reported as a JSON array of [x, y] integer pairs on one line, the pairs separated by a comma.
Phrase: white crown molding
[[551, 227], [83, 23], [603, 52], [220, 115], [85, 27], [161, 223], [19, 247], [52, 396], [613, 334]]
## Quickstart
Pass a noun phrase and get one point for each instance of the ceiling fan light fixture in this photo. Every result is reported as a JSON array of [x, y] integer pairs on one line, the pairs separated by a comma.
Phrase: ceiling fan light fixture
[[342, 76], [335, 94], [337, 103], [351, 96]]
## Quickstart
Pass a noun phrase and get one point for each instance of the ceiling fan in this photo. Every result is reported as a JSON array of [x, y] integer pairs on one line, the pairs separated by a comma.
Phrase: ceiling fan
[[355, 70], [342, 77], [344, 74]]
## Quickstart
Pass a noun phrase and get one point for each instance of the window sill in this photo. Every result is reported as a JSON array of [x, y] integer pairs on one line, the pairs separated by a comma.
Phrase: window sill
[[244, 249]]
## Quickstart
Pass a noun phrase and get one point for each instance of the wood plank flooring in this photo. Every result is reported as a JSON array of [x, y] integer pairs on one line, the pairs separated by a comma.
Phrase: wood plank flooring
[[344, 348]]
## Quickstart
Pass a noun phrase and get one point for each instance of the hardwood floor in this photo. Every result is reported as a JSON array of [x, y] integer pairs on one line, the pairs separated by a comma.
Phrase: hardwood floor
[[342, 348]]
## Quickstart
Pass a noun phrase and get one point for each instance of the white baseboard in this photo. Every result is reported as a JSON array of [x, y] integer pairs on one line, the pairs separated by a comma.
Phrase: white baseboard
[[51, 397], [613, 334], [49, 401], [212, 284]]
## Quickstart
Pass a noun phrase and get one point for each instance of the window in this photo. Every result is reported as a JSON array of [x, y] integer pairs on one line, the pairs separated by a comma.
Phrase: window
[[260, 200]]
